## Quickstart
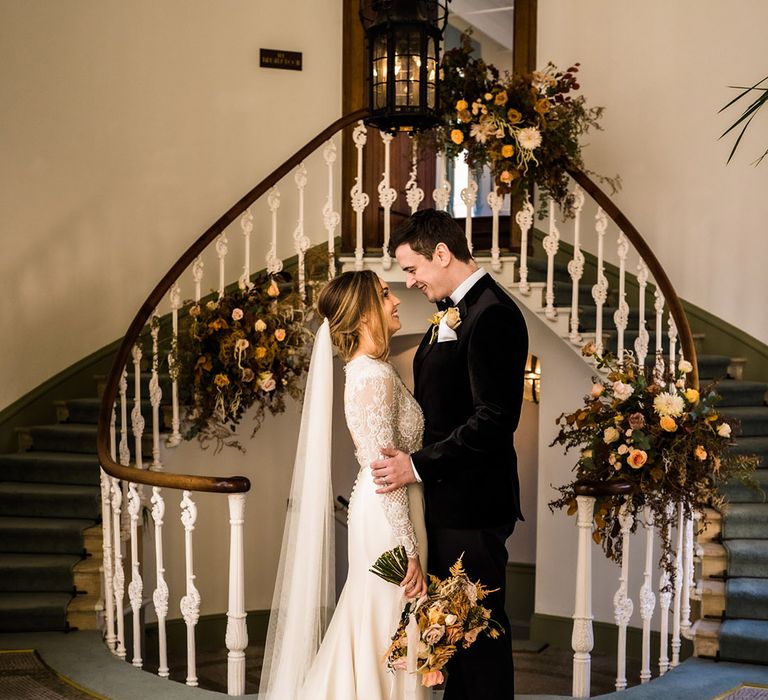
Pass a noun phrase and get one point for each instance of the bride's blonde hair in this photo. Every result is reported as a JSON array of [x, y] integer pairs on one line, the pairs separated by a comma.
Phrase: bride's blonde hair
[[348, 301]]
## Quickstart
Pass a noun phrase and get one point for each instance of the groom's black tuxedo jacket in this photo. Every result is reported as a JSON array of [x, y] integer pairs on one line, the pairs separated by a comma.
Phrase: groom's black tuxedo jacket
[[471, 391]]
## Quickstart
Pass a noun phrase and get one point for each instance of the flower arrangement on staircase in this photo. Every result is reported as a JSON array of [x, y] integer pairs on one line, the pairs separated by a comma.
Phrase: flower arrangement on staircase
[[666, 440]]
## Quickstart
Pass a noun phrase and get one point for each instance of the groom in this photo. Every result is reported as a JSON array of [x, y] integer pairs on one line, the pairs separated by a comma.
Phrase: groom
[[469, 383]]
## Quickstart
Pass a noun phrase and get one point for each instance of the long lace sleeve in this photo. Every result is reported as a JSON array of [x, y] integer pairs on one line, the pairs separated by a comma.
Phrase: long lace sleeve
[[372, 406]]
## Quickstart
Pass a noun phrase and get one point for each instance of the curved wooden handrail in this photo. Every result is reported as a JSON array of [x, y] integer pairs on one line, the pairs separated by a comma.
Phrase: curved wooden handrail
[[189, 482], [601, 488], [655, 268]]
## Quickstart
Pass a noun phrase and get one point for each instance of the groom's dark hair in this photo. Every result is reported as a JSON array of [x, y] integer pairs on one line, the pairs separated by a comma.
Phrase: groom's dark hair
[[426, 228]]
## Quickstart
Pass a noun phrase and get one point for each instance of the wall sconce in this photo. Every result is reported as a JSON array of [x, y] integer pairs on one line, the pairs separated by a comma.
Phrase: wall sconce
[[403, 38], [532, 379]]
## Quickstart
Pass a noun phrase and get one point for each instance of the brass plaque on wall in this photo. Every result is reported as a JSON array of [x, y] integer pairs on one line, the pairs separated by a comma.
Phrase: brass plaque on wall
[[273, 58]]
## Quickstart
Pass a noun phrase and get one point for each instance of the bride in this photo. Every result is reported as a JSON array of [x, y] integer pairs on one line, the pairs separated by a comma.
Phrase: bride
[[360, 318]]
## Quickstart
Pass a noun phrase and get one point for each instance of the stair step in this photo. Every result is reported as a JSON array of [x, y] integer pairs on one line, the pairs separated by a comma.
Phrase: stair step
[[83, 610], [77, 438], [93, 540], [747, 598], [42, 535], [713, 526], [712, 366], [747, 558], [87, 575], [37, 572], [753, 420], [712, 598], [754, 445], [49, 467], [745, 521], [33, 612], [744, 641], [706, 638], [713, 558], [736, 491], [49, 500], [741, 393]]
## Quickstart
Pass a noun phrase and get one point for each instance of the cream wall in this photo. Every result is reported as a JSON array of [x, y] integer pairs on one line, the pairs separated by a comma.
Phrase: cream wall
[[126, 129], [662, 69]]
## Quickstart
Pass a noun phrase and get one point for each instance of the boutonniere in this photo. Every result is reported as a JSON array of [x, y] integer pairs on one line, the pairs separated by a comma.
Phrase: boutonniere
[[452, 320]]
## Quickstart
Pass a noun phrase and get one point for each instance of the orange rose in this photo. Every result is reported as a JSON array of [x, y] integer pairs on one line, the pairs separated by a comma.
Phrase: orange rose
[[260, 352], [668, 423], [457, 136], [501, 98], [542, 106], [465, 116], [274, 290], [514, 116], [505, 176], [461, 105], [700, 453], [507, 150], [221, 380], [637, 458], [431, 678], [280, 335]]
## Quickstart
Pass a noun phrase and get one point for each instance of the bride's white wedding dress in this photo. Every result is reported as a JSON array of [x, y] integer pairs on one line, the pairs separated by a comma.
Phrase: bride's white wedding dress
[[350, 664]]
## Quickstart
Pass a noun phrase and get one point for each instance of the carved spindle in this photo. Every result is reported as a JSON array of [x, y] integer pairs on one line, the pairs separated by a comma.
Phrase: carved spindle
[[360, 199], [300, 240], [524, 219], [160, 594], [495, 202], [125, 454], [665, 601], [237, 632], [582, 639], [118, 580], [137, 420], [672, 333], [641, 343], [658, 305], [175, 294], [551, 246], [246, 228], [576, 267], [621, 315], [414, 195], [442, 193], [274, 264], [136, 586], [331, 218], [678, 600], [155, 395], [387, 197], [221, 252], [622, 603], [600, 288], [469, 197], [198, 267], [647, 596], [106, 552], [687, 585], [190, 603]]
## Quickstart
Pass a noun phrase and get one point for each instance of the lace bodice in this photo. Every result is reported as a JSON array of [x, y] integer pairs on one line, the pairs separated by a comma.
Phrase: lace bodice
[[381, 412]]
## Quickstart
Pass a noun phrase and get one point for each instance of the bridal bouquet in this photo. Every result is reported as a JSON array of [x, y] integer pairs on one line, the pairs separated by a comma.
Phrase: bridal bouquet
[[667, 440], [436, 625]]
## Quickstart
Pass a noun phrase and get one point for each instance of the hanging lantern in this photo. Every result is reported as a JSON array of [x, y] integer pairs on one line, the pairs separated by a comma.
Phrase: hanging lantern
[[403, 38]]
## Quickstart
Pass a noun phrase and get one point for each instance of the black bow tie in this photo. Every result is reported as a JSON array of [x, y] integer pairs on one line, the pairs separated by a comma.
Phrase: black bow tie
[[444, 304]]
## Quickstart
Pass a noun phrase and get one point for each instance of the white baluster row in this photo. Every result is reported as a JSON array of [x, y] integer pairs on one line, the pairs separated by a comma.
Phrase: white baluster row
[[576, 267], [387, 197]]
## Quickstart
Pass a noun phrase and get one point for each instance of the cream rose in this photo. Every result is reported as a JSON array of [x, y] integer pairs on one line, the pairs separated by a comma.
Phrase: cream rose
[[622, 391], [237, 314], [597, 390], [259, 326], [453, 318], [724, 430], [280, 335], [433, 634], [610, 435], [684, 366]]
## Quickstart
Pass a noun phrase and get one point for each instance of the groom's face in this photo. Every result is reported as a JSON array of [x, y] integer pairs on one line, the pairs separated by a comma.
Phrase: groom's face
[[428, 276]]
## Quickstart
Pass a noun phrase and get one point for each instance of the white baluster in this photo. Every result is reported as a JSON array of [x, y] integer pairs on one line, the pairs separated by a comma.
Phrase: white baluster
[[442, 193], [665, 601], [414, 195], [600, 288], [641, 343], [221, 252], [576, 266], [300, 240], [387, 197], [658, 305], [360, 199], [125, 454], [118, 580], [106, 551], [622, 604], [495, 202], [197, 275], [331, 218], [621, 315], [274, 264], [678, 589], [155, 395], [582, 639], [672, 341], [551, 246], [647, 596], [246, 226], [685, 610], [137, 420], [524, 219], [160, 594], [237, 632], [175, 294], [469, 197], [136, 586], [190, 603]]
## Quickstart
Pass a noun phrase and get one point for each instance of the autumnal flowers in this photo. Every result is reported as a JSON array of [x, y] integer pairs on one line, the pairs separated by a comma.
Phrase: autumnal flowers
[[667, 441], [246, 348]]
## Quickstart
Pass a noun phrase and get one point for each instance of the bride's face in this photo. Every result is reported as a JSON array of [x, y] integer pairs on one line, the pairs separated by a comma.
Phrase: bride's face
[[389, 303]]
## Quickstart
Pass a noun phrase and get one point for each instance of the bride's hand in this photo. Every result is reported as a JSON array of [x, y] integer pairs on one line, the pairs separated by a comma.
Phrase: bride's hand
[[415, 583]]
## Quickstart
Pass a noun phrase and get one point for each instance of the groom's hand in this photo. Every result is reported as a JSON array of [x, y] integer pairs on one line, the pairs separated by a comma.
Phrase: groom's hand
[[393, 471]]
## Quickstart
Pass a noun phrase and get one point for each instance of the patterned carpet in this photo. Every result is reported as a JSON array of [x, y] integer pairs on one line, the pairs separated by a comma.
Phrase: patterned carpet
[[24, 676]]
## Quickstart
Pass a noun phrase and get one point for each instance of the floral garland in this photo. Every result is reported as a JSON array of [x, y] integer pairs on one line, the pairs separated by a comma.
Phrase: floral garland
[[248, 347], [525, 128], [667, 441]]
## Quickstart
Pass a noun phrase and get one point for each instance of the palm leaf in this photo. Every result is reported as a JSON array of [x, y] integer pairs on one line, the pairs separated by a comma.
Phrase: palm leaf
[[746, 116]]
